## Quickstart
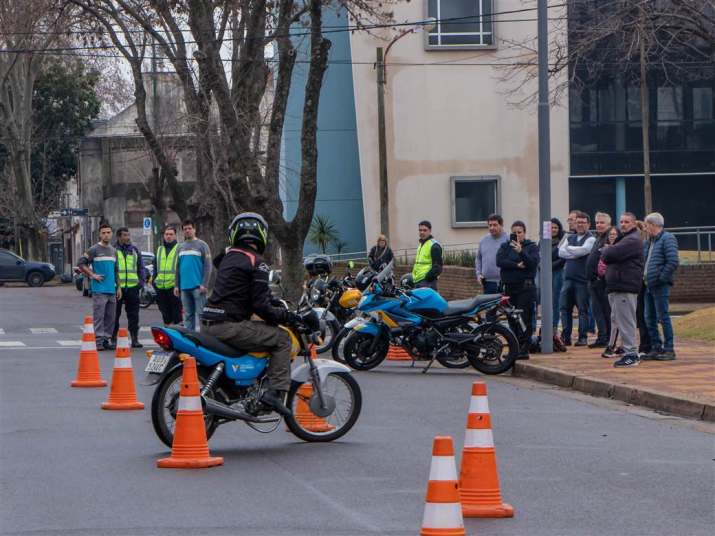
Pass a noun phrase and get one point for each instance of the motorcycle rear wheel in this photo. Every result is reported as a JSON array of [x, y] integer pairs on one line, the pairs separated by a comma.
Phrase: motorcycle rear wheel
[[355, 348], [305, 425], [454, 361], [495, 352], [164, 405]]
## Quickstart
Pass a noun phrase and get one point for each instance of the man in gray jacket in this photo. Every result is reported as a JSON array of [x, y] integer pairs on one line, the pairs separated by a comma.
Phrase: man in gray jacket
[[488, 273]]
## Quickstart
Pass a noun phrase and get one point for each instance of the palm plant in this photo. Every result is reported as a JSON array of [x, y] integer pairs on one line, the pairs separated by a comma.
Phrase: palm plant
[[322, 232]]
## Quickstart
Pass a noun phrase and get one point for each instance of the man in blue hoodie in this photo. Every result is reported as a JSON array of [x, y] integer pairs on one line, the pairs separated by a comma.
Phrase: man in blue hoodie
[[192, 274]]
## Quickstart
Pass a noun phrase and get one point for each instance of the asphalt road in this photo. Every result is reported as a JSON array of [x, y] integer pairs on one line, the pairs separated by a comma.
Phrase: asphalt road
[[570, 464]]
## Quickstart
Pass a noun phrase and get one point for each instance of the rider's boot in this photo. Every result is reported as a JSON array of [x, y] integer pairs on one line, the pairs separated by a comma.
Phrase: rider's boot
[[276, 400]]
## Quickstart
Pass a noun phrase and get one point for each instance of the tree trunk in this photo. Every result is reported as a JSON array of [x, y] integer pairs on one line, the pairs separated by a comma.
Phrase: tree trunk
[[645, 130], [292, 272]]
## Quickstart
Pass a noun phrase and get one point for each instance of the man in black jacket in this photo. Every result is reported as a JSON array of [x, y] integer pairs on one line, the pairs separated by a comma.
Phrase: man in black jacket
[[597, 285], [518, 261], [624, 274], [241, 290]]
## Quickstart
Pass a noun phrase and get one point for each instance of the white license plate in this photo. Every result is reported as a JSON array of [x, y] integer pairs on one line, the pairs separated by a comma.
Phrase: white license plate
[[158, 362]]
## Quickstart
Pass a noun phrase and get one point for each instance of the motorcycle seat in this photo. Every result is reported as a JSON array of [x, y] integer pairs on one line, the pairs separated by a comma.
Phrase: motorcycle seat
[[458, 307], [209, 342]]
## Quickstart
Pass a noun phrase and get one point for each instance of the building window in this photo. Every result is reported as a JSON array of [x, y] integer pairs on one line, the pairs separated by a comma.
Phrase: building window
[[474, 199], [460, 24]]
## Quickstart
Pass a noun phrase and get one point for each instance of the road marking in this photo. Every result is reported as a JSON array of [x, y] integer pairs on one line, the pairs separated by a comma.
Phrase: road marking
[[37, 331], [11, 344], [2, 331], [69, 343], [145, 328], [148, 342]]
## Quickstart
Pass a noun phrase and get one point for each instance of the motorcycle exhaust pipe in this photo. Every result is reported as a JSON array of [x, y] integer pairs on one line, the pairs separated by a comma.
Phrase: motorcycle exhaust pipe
[[218, 409]]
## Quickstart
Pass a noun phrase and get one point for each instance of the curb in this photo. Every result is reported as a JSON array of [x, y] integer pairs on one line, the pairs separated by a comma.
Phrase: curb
[[655, 400]]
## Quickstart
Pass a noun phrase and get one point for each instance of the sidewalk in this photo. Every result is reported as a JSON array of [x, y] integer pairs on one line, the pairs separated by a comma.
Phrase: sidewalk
[[684, 387]]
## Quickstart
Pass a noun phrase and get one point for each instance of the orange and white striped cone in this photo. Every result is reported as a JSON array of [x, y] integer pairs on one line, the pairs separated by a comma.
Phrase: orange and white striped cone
[[88, 373], [303, 414], [443, 514], [478, 476], [122, 395], [190, 448], [397, 353]]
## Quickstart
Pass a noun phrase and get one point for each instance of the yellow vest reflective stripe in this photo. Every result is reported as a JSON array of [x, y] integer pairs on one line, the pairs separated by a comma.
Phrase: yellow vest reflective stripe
[[166, 268], [423, 261], [127, 265]]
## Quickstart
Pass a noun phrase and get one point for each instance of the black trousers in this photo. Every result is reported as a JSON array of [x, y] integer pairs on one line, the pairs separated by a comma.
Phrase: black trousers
[[523, 296], [601, 309], [130, 301], [427, 284], [169, 305]]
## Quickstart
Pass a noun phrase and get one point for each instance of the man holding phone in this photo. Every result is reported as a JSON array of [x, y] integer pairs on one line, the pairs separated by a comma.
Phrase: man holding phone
[[518, 261]]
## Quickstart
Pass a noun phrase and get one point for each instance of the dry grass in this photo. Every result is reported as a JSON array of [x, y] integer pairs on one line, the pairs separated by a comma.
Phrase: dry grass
[[696, 325]]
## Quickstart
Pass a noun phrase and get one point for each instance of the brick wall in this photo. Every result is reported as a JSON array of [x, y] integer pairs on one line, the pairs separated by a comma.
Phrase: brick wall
[[693, 283]]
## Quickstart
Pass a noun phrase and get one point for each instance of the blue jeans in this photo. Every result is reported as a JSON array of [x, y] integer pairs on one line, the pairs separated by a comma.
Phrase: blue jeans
[[656, 312], [557, 281], [574, 293], [193, 302]]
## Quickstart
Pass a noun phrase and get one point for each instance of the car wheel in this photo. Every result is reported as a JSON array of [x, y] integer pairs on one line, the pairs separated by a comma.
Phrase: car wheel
[[35, 279]]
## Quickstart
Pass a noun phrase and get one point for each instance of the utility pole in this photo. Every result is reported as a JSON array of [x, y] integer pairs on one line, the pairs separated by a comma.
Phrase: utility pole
[[382, 144], [547, 335]]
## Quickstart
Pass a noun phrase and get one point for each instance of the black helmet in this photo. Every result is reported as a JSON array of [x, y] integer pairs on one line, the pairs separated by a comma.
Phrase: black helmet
[[407, 281], [364, 278], [249, 228]]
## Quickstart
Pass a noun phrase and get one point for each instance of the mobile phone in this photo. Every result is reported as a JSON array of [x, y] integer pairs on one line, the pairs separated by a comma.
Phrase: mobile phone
[[512, 237]]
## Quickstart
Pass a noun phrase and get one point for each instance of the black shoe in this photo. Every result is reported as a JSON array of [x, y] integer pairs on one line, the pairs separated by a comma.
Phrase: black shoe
[[668, 355], [110, 344], [598, 344], [100, 345], [619, 351], [652, 355], [581, 342], [136, 343], [628, 360], [276, 400], [566, 342], [609, 353]]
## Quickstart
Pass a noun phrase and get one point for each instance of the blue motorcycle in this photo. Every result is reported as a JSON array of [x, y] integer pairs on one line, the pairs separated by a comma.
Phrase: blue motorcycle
[[429, 328], [324, 398]]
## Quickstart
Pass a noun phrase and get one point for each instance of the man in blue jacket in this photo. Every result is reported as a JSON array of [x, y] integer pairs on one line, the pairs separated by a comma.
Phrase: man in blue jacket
[[661, 254], [192, 274]]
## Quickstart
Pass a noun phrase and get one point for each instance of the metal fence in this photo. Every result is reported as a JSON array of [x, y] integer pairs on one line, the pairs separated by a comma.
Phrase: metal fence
[[698, 240]]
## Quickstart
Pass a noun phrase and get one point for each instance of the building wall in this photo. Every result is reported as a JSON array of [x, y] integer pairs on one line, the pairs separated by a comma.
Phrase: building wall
[[339, 195], [450, 120]]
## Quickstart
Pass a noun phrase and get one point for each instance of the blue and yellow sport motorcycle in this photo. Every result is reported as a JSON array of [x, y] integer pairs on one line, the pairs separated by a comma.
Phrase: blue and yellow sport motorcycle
[[233, 381], [429, 328]]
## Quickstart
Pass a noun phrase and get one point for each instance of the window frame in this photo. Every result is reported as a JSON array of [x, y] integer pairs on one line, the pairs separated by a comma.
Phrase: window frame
[[453, 200], [430, 47]]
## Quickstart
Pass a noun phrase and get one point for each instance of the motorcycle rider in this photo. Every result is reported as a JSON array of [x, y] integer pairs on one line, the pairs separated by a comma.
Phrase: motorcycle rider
[[241, 290]]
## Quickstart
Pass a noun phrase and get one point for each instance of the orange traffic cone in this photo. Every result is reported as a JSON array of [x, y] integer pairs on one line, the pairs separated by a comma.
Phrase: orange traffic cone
[[305, 417], [478, 477], [190, 447], [443, 515], [122, 394], [88, 373], [397, 353]]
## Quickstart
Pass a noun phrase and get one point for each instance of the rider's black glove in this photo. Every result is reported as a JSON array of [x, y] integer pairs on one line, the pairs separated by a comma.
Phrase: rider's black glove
[[293, 319]]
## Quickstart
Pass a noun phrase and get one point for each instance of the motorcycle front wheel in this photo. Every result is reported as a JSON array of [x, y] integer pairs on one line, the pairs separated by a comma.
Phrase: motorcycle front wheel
[[328, 333], [310, 422], [165, 404], [146, 298], [495, 351], [359, 353], [339, 344]]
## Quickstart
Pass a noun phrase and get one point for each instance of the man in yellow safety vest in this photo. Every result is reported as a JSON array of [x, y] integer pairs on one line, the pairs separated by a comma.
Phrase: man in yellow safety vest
[[165, 278], [131, 271], [428, 261]]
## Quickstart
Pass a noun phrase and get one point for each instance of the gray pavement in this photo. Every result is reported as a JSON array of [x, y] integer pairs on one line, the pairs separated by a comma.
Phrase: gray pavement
[[570, 464]]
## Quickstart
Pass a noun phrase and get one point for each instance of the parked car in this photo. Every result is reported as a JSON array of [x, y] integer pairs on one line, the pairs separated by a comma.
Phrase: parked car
[[15, 268]]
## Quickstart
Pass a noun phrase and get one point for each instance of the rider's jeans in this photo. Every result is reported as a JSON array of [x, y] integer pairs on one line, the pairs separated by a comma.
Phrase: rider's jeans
[[252, 336]]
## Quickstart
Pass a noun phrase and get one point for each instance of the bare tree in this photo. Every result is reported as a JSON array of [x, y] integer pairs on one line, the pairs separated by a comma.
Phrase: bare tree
[[634, 41], [219, 53], [26, 29]]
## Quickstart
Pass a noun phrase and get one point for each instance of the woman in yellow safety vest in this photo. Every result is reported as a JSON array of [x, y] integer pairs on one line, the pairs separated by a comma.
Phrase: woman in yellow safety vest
[[428, 261]]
